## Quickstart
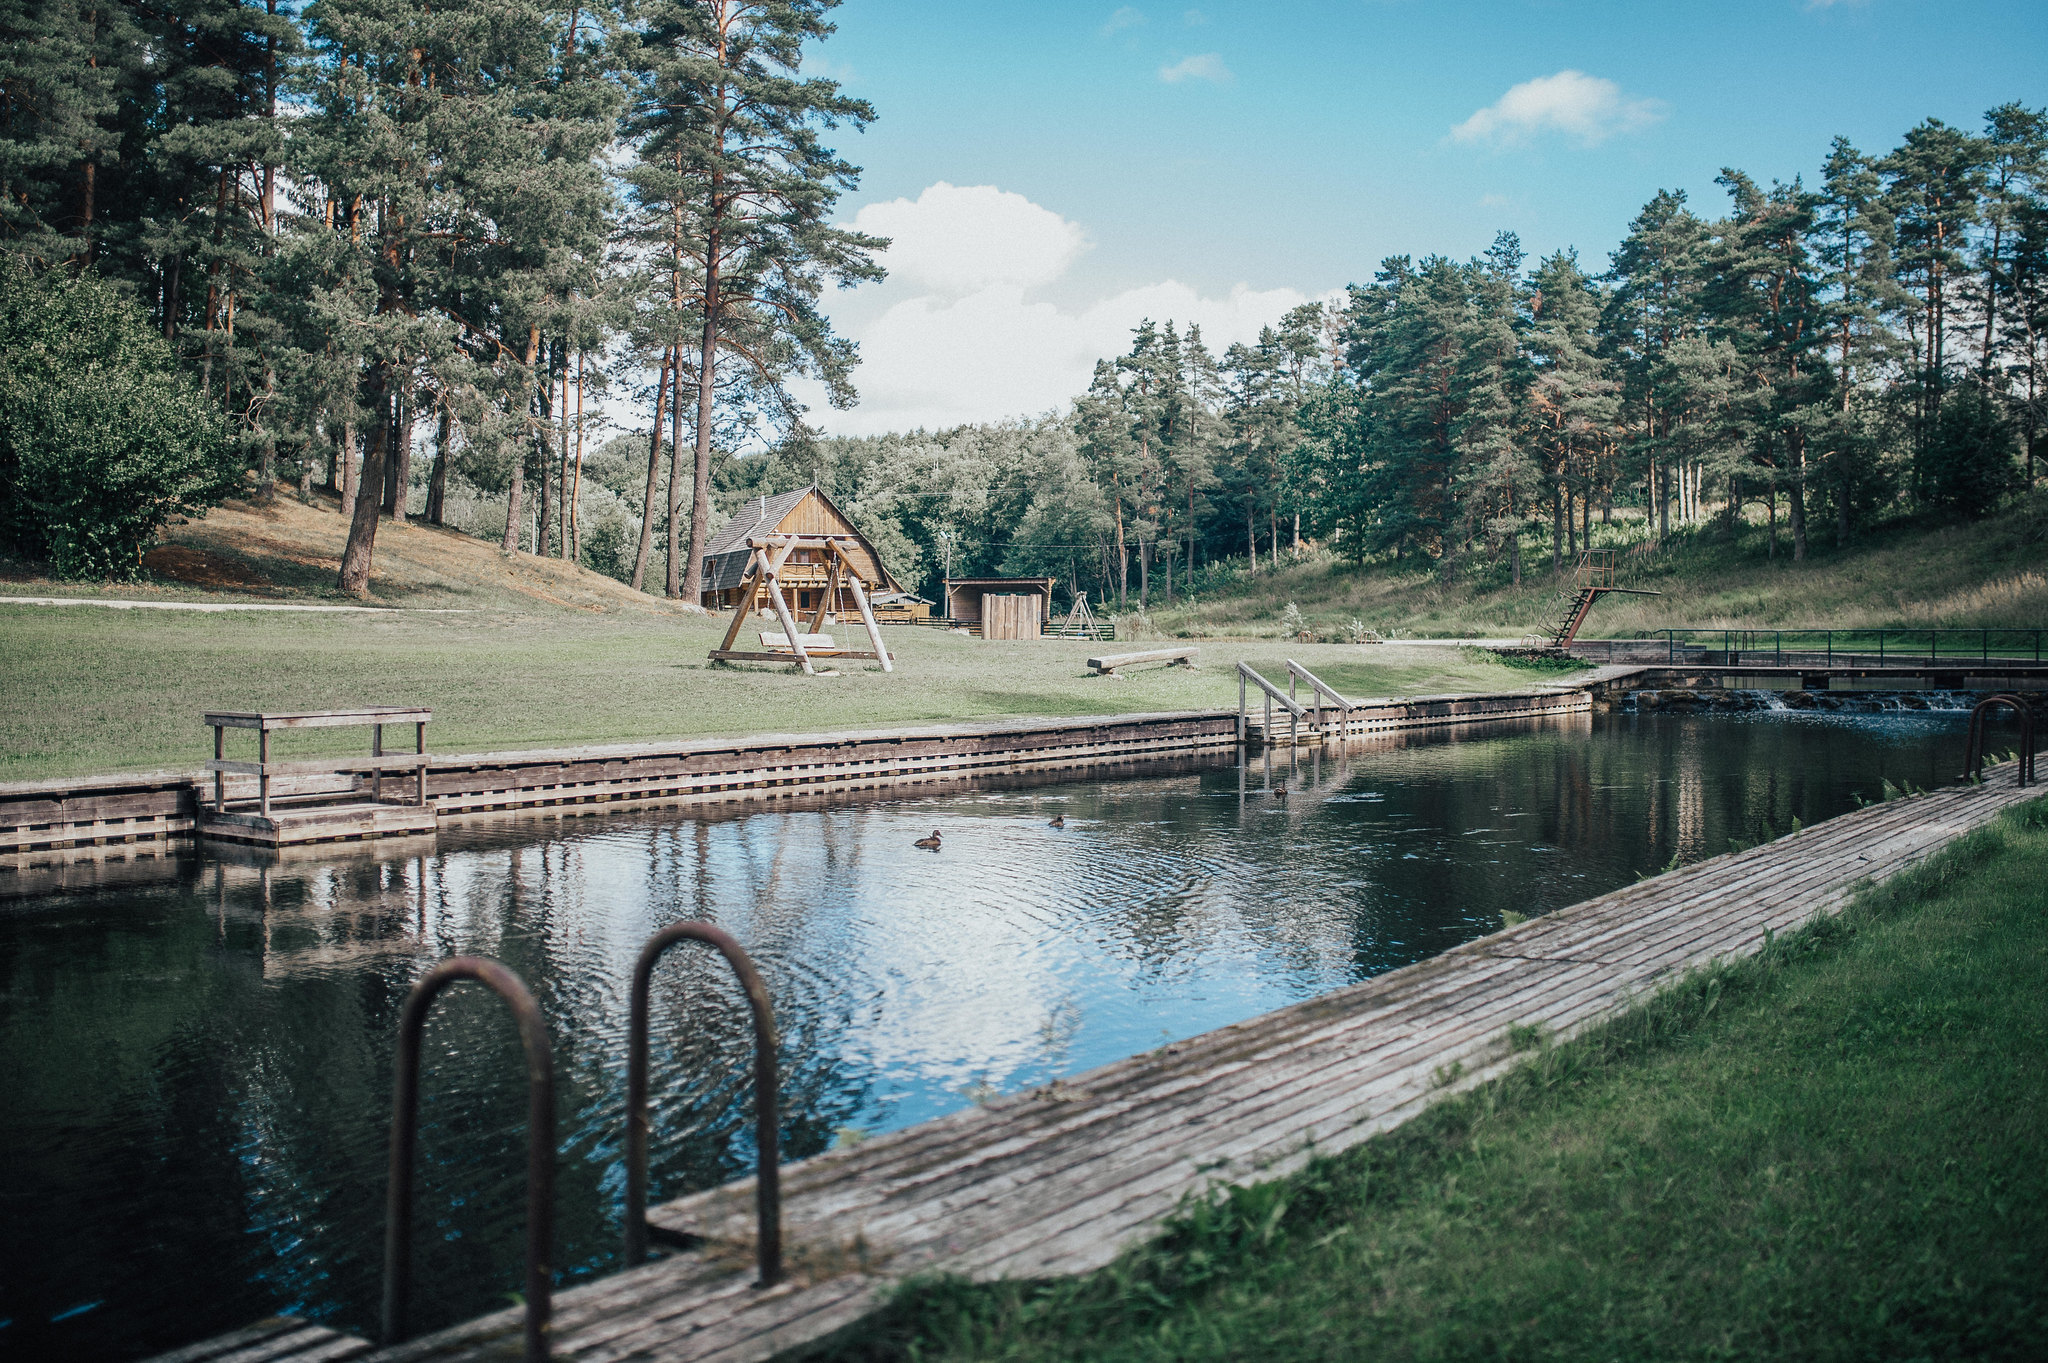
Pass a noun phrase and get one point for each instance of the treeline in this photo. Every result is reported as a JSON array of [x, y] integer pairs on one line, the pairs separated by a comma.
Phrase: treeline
[[1812, 359], [369, 226]]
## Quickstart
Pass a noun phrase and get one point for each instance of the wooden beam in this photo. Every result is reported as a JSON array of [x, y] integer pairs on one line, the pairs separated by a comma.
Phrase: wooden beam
[[867, 616], [830, 598], [782, 611], [741, 612]]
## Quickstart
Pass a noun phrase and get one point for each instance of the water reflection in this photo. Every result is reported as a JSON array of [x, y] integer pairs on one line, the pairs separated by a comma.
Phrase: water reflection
[[197, 1051]]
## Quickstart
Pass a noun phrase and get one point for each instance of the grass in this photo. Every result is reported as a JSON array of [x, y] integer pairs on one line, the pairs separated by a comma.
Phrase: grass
[[1985, 573], [1832, 1151], [92, 689], [288, 551]]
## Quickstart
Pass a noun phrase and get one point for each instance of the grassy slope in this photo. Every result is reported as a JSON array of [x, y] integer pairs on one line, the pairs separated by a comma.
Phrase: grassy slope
[[285, 550], [90, 689], [1990, 573], [1829, 1153]]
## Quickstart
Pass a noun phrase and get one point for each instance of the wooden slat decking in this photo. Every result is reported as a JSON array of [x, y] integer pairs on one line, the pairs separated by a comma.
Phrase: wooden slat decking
[[1063, 1178]]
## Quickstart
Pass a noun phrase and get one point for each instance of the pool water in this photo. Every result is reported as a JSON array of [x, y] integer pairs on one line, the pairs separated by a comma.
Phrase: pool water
[[197, 1060]]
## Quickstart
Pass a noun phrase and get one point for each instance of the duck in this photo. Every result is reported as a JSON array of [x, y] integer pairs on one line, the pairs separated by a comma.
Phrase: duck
[[1058, 821], [931, 842], [1280, 791]]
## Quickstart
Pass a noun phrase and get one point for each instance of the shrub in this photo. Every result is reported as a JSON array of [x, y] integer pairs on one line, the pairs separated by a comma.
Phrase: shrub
[[101, 438]]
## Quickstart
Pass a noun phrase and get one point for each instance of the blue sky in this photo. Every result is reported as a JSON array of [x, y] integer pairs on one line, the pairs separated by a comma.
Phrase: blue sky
[[1096, 162]]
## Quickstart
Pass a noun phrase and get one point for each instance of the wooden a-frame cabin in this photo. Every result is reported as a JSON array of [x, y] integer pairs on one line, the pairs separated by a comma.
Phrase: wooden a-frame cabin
[[806, 574]]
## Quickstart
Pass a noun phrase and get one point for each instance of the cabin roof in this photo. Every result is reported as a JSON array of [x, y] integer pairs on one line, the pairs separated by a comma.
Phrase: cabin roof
[[757, 515], [727, 555]]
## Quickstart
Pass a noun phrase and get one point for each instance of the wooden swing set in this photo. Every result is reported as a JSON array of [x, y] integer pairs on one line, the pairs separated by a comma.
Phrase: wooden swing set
[[767, 555]]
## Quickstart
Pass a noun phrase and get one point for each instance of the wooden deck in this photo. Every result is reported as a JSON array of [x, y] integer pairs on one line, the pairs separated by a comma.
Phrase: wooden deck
[[1063, 1178]]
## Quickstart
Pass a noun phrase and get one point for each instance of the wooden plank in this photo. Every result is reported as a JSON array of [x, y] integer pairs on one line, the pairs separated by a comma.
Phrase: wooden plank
[[316, 719], [1109, 662]]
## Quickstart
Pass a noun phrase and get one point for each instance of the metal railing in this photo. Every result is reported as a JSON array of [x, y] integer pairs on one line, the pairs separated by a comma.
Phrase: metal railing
[[540, 1145], [1980, 716], [768, 1159], [1273, 694], [1854, 647]]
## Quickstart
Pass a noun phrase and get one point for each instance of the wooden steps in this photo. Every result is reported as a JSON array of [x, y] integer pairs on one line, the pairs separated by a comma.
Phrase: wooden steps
[[1063, 1178], [288, 824]]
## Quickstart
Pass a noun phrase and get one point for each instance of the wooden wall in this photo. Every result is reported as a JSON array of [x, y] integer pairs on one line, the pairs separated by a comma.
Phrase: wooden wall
[[1010, 615]]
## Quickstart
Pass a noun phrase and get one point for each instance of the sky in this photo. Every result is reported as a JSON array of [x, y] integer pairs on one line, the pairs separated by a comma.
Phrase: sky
[[1052, 173]]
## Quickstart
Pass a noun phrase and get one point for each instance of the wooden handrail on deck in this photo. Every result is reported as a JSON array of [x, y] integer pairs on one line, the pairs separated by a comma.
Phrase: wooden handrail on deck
[[264, 722], [1246, 673]]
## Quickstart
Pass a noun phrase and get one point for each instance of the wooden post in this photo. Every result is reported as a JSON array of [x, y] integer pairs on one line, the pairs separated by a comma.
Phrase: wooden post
[[263, 772], [867, 615], [376, 773], [219, 751], [782, 612], [829, 598], [420, 747], [741, 612]]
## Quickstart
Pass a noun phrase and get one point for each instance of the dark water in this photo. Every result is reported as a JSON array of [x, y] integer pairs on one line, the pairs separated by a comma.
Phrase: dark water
[[196, 1063]]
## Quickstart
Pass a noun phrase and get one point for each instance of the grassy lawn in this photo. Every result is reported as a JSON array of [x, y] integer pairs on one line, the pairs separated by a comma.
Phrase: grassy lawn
[[1832, 1152], [91, 689]]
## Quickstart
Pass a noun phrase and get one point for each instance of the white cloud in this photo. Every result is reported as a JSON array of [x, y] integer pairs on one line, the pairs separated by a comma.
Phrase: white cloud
[[954, 240], [1124, 18], [1207, 66], [1586, 107], [957, 333]]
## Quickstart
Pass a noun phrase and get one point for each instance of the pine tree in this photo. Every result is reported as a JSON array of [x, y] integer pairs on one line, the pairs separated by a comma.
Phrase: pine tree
[[726, 136]]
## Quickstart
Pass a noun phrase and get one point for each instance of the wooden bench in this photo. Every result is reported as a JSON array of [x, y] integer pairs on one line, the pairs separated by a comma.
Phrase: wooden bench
[[1107, 665]]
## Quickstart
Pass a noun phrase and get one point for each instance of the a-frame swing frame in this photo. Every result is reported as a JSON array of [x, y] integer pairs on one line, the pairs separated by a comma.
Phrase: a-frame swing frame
[[764, 565]]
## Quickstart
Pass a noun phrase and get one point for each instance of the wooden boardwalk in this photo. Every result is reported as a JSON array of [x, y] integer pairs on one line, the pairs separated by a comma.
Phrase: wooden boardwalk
[[1062, 1178]]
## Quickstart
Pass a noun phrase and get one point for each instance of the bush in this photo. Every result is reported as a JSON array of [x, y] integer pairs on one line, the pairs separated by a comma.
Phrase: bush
[[102, 440]]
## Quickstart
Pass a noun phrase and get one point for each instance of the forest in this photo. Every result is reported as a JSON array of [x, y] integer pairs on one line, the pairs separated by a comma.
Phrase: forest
[[403, 255]]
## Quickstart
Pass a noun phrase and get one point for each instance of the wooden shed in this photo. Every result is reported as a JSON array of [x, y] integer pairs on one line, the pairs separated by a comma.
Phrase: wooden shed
[[806, 511], [1004, 607]]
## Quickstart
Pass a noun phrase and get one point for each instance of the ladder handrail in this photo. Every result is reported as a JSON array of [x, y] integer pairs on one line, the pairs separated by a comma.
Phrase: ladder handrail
[[1246, 673], [767, 1123], [1323, 688], [540, 1145]]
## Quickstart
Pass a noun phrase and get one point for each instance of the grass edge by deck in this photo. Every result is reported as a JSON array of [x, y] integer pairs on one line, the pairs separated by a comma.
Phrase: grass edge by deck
[[1248, 1271]]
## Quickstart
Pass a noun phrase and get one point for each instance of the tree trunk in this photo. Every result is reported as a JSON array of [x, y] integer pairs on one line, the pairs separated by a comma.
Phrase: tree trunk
[[1123, 557], [514, 496], [351, 475], [362, 529], [1795, 498], [700, 483], [576, 484], [673, 579], [401, 454], [1144, 578], [543, 446], [1556, 529], [566, 512], [437, 481], [646, 548]]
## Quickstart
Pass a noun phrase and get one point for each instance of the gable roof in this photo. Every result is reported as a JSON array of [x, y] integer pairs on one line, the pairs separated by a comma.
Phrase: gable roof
[[756, 516], [727, 555]]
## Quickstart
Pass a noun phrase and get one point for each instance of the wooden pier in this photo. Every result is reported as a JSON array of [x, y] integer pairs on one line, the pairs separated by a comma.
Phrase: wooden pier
[[1063, 1178]]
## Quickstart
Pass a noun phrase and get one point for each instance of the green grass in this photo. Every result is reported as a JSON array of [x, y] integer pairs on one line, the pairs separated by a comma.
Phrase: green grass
[[1830, 1152], [1986, 573], [92, 689]]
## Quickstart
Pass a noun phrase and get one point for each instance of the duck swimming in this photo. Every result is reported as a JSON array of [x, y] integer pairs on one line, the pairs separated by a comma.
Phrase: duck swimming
[[1058, 821], [931, 842]]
